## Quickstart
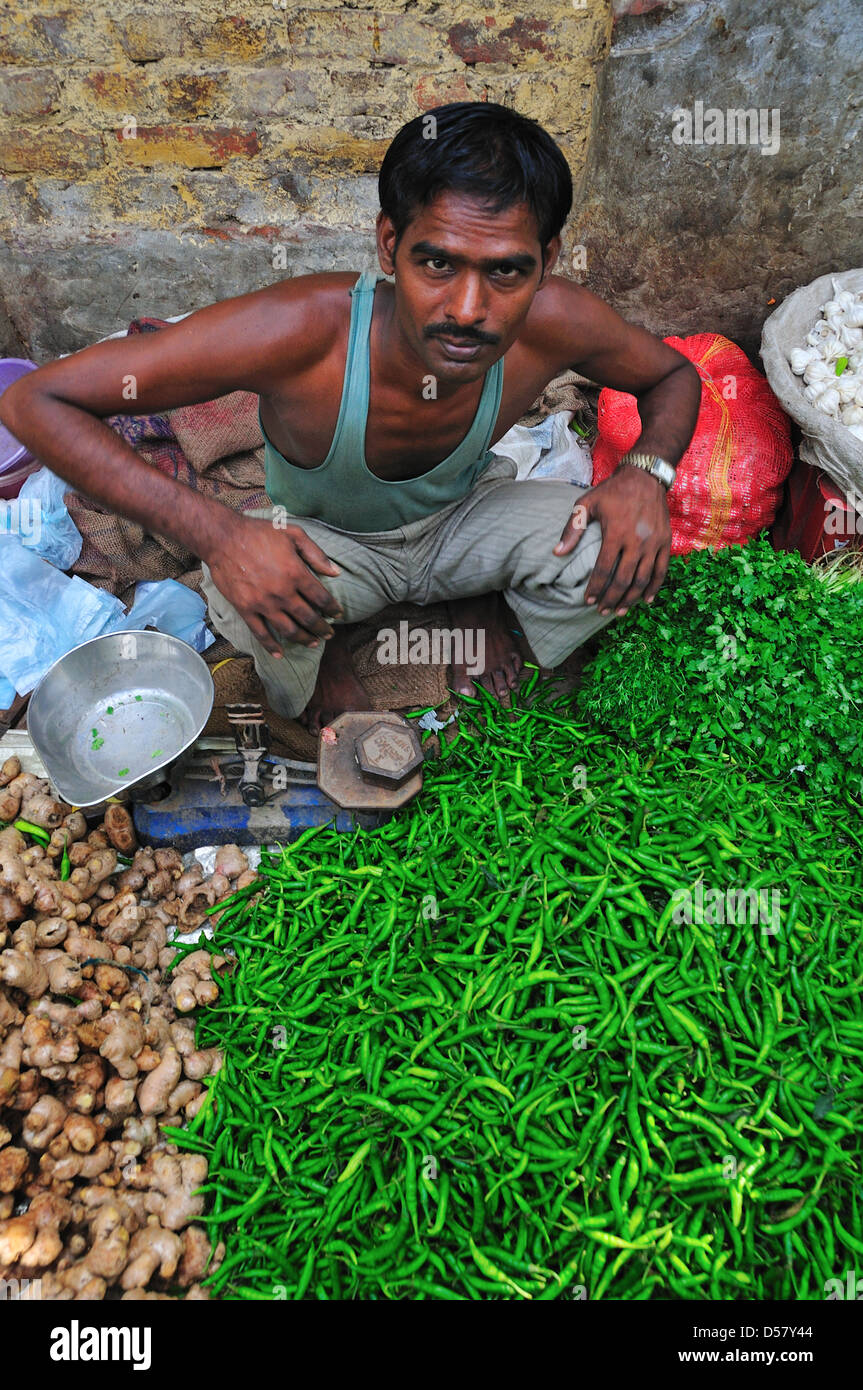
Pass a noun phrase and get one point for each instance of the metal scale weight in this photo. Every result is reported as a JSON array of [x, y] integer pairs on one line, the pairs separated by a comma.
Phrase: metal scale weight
[[219, 792]]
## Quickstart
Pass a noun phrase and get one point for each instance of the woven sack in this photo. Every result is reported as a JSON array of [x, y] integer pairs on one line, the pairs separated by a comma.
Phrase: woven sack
[[730, 480]]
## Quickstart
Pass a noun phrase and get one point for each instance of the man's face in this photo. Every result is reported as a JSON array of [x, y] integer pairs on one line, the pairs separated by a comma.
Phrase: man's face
[[464, 280]]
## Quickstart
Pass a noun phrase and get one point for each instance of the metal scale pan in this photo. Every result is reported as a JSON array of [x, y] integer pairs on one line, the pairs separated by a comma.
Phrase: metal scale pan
[[117, 712]]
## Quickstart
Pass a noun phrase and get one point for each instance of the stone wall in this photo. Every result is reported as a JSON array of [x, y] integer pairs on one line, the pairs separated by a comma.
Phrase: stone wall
[[708, 237]]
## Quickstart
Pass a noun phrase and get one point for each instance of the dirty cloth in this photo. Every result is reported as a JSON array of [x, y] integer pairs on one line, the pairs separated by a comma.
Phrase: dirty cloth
[[498, 538], [548, 449]]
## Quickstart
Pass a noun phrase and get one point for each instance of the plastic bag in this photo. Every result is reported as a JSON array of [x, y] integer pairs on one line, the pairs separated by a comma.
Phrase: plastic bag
[[730, 479], [40, 519], [44, 613], [170, 607], [826, 443], [7, 693], [549, 449]]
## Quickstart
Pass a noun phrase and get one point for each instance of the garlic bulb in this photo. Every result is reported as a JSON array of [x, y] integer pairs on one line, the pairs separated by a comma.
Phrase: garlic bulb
[[832, 346], [817, 371], [837, 336], [814, 338], [800, 359], [846, 385]]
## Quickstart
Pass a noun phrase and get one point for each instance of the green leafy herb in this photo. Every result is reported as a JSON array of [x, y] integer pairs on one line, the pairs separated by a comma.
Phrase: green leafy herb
[[748, 650]]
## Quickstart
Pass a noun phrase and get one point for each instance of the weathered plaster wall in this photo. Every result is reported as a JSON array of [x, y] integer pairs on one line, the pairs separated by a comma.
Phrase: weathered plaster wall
[[258, 126], [698, 238]]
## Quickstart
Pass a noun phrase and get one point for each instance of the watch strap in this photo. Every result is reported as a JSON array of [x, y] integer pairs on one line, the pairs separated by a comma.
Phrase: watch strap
[[652, 463]]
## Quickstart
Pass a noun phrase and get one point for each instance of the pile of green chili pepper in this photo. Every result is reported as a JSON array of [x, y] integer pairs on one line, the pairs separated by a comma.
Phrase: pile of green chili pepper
[[473, 1055]]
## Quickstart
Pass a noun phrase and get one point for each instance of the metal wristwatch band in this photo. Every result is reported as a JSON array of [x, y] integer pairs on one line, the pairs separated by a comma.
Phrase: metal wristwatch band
[[652, 463]]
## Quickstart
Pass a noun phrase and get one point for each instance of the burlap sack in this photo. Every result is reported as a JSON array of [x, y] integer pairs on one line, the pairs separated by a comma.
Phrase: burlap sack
[[826, 443], [217, 429]]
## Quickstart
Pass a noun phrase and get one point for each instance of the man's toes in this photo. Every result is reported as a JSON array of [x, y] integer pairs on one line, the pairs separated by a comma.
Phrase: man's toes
[[499, 683]]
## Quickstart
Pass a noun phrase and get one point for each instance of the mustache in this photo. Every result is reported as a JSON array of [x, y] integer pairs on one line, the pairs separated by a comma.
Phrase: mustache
[[460, 335]]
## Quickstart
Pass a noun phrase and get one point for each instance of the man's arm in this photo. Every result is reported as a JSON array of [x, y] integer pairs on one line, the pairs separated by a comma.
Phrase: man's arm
[[630, 505], [248, 343]]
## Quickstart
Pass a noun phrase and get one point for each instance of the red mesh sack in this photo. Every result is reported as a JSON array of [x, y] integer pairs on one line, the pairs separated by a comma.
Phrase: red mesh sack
[[729, 481]]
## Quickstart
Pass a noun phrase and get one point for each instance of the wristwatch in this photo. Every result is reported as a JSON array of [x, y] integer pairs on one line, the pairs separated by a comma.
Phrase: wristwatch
[[652, 463]]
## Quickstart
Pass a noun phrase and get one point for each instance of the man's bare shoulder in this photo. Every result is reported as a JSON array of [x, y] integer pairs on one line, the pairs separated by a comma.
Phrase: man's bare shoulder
[[565, 320], [293, 323], [323, 291]]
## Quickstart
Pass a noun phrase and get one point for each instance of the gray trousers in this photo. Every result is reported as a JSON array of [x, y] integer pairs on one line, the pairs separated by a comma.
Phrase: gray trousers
[[497, 538]]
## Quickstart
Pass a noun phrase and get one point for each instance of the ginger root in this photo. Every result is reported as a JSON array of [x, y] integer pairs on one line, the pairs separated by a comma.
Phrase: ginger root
[[86, 1086], [193, 983]]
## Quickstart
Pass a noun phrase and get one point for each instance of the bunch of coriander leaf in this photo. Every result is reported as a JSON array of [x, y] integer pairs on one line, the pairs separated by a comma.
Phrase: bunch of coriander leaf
[[747, 651]]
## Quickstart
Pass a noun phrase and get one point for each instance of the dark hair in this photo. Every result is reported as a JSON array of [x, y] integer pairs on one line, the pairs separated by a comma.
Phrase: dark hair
[[480, 149]]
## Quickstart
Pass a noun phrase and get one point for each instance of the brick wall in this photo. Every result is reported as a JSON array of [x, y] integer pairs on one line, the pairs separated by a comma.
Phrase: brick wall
[[155, 158]]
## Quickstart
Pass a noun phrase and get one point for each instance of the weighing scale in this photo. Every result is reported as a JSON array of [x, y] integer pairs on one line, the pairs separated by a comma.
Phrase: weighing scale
[[225, 791]]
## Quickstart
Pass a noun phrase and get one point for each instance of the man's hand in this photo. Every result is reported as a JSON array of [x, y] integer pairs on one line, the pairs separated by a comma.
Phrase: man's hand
[[630, 507], [266, 573]]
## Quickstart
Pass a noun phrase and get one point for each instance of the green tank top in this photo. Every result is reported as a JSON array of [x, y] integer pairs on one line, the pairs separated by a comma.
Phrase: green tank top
[[342, 490]]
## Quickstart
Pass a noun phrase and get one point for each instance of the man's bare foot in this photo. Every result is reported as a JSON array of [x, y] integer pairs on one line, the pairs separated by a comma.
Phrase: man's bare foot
[[488, 617], [337, 687]]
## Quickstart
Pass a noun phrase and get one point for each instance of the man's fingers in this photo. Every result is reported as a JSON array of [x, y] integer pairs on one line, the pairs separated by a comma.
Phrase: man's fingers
[[313, 592], [286, 626], [636, 589], [306, 617], [660, 569], [259, 629], [314, 556], [274, 628], [574, 528], [603, 571], [624, 576]]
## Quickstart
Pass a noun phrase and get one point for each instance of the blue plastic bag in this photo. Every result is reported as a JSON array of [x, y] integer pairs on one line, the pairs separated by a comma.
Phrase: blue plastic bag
[[40, 519], [170, 607], [45, 613], [7, 693]]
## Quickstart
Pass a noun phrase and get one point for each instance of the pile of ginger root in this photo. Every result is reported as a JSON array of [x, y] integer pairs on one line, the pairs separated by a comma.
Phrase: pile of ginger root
[[97, 1052]]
